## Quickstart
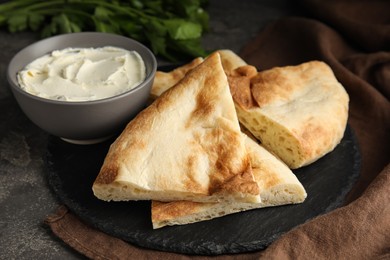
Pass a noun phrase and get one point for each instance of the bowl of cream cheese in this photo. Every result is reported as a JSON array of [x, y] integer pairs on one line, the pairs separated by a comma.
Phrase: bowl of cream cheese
[[82, 87]]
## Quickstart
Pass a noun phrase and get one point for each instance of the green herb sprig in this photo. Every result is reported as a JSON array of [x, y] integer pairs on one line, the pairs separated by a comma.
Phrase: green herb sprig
[[171, 28]]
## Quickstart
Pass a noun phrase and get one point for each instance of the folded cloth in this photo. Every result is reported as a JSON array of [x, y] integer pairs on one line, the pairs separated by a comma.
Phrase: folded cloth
[[360, 230], [353, 37]]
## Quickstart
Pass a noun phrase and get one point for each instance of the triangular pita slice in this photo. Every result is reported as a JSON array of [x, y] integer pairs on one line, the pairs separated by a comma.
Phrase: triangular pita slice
[[297, 112], [278, 186], [186, 145]]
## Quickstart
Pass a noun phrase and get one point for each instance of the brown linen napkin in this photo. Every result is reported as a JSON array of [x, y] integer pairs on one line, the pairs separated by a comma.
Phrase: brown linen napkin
[[353, 37], [98, 245]]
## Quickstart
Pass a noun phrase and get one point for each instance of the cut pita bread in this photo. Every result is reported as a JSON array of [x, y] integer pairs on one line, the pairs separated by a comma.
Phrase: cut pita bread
[[278, 186], [297, 112], [186, 145]]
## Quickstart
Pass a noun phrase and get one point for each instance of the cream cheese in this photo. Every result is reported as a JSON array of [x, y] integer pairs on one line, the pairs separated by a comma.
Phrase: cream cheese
[[83, 74]]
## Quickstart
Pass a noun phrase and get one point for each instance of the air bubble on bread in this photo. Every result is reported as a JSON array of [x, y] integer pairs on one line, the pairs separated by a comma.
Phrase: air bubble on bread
[[283, 194], [273, 136]]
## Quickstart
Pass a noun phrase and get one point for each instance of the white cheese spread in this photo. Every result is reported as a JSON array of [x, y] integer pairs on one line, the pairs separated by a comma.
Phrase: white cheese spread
[[83, 74]]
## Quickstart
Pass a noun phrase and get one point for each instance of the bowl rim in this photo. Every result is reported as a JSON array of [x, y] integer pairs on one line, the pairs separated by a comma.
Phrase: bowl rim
[[15, 86]]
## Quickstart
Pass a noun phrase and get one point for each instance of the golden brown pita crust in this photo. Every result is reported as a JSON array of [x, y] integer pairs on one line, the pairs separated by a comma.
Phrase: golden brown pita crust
[[278, 186], [186, 145], [240, 85]]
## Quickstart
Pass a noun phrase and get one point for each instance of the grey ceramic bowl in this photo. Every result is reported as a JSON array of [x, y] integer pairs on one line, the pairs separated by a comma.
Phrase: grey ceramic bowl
[[88, 121]]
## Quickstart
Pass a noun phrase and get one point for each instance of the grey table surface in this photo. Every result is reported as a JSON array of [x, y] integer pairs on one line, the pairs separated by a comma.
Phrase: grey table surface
[[25, 197]]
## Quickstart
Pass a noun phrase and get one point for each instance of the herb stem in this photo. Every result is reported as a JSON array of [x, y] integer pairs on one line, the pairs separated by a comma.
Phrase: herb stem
[[8, 6]]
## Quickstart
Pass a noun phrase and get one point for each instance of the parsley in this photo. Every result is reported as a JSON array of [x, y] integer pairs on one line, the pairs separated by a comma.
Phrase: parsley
[[171, 28]]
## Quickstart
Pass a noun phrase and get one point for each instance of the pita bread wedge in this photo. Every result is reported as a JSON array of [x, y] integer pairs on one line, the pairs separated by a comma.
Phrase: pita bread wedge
[[278, 186], [165, 80], [297, 112], [186, 145], [230, 60]]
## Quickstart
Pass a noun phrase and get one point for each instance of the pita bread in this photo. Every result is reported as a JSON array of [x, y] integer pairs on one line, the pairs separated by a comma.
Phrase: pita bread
[[186, 145], [165, 80], [230, 60], [297, 112], [278, 186]]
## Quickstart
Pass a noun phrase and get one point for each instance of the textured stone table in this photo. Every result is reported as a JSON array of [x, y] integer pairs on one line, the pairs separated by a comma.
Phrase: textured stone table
[[25, 198]]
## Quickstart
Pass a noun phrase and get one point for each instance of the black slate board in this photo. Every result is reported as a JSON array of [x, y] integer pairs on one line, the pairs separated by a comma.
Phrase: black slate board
[[72, 169]]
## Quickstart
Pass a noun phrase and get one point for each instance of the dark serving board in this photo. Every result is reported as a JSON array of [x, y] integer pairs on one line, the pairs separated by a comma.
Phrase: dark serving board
[[72, 169]]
